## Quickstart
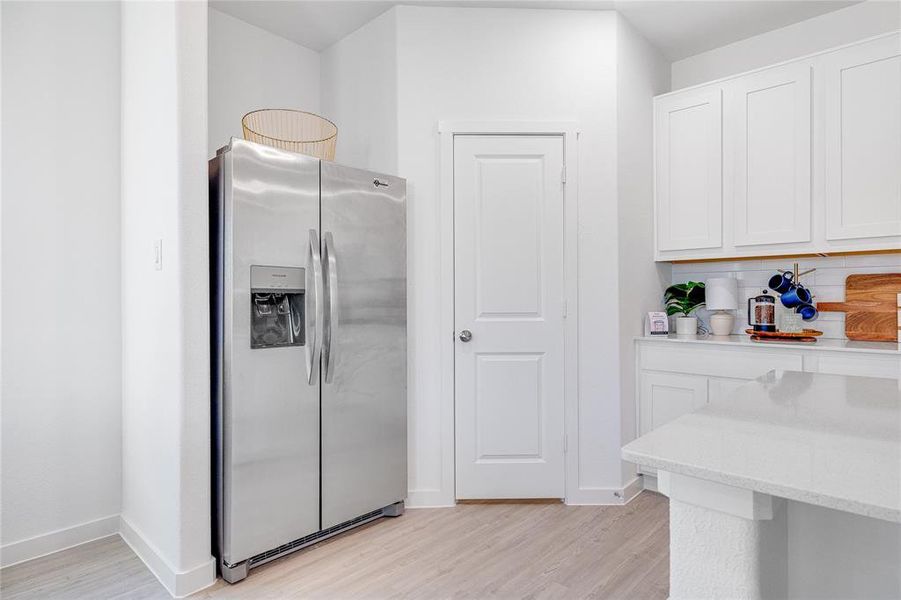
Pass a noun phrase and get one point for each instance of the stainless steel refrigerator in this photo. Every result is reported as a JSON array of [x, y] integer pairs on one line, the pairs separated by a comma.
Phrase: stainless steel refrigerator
[[308, 307]]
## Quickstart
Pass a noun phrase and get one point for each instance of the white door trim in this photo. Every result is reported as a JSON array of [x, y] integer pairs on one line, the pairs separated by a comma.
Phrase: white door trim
[[570, 132]]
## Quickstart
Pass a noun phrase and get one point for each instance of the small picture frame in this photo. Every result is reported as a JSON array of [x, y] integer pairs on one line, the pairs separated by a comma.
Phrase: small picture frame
[[657, 324]]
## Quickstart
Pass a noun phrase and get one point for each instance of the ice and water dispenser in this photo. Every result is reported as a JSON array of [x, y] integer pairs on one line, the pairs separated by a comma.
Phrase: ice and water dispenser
[[276, 307]]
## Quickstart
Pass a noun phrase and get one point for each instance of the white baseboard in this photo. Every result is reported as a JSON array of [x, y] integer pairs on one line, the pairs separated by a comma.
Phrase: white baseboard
[[632, 489], [178, 583], [61, 539], [429, 499]]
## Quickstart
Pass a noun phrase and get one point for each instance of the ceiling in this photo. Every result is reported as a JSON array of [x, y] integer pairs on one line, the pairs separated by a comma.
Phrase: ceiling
[[679, 28]]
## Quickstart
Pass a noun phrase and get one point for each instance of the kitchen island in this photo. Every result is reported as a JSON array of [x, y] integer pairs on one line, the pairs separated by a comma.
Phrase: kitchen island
[[788, 487]]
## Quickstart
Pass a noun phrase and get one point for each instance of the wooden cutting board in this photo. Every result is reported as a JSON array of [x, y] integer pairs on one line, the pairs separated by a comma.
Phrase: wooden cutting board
[[871, 307]]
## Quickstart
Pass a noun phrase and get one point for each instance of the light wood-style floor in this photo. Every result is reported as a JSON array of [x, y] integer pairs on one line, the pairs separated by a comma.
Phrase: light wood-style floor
[[471, 551]]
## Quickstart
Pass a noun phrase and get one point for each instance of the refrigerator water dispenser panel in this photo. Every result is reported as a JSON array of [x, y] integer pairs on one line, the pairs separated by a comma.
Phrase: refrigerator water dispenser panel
[[277, 307]]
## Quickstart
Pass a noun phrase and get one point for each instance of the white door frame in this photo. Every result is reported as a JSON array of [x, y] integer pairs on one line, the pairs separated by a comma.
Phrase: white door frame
[[570, 132]]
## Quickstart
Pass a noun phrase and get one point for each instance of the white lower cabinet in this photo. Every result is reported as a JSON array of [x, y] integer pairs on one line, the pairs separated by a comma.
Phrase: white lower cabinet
[[720, 387], [665, 396], [676, 377]]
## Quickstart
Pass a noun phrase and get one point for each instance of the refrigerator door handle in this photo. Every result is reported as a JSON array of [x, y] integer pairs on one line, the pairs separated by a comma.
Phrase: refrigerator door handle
[[314, 281], [331, 271]]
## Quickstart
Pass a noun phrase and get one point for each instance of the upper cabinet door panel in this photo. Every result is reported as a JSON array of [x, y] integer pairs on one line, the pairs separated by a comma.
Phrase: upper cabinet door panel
[[768, 136], [689, 165], [863, 140]]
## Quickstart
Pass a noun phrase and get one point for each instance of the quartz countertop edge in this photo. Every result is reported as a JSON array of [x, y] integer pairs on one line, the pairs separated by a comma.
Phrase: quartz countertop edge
[[823, 439], [884, 513], [744, 341]]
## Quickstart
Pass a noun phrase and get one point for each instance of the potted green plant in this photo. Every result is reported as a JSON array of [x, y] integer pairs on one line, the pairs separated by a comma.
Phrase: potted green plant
[[681, 299]]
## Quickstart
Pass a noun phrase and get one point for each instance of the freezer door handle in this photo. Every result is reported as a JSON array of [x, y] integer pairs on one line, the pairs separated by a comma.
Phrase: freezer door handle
[[314, 283], [331, 274]]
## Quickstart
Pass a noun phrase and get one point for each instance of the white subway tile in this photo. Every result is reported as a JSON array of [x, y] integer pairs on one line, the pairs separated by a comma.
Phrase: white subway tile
[[756, 279], [830, 329], [828, 293], [874, 260], [729, 266], [804, 263], [689, 276], [680, 268], [838, 276]]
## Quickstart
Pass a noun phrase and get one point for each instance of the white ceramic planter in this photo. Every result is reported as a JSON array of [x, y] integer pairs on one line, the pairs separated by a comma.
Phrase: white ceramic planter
[[686, 326]]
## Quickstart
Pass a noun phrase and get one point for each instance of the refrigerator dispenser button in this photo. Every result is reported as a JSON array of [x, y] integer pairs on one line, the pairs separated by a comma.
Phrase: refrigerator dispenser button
[[261, 303]]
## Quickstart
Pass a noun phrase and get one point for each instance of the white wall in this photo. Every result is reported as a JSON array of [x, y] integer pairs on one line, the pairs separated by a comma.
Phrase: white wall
[[166, 417], [840, 27], [251, 68], [641, 73], [359, 93], [505, 64], [61, 390], [389, 84]]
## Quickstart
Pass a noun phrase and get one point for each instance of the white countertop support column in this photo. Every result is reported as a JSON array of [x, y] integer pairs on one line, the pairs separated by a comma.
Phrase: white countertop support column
[[725, 542]]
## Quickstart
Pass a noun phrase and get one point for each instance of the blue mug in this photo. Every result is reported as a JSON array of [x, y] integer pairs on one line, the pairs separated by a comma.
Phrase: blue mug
[[781, 282], [796, 296], [807, 311]]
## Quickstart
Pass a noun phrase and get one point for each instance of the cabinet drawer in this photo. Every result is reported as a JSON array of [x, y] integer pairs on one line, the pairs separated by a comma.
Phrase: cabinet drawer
[[717, 362], [862, 366]]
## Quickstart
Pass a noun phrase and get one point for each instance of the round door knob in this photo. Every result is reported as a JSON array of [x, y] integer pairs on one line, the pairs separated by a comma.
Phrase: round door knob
[[465, 335]]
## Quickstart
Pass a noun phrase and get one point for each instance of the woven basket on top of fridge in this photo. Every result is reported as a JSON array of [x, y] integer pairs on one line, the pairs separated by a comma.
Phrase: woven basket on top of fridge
[[293, 130]]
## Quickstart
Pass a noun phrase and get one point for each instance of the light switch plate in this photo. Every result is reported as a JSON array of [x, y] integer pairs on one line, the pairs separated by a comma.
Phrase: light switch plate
[[158, 254]]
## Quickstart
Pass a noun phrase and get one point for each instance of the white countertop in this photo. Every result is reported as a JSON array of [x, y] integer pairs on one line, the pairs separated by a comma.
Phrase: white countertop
[[828, 440], [745, 340]]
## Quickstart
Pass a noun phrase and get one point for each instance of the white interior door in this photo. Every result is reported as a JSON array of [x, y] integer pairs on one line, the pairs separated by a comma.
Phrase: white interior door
[[509, 295]]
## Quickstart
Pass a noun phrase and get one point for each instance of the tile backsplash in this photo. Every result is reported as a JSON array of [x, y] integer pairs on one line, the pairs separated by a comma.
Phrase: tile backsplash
[[827, 283]]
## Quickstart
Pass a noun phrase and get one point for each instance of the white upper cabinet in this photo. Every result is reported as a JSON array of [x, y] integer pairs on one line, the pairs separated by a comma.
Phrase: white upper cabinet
[[689, 170], [803, 157], [768, 131], [862, 109]]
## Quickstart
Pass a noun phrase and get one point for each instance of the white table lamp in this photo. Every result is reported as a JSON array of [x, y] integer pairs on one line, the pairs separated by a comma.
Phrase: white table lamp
[[721, 295]]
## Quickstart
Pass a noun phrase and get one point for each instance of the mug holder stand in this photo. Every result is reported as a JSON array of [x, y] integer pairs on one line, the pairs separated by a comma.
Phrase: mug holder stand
[[796, 280]]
